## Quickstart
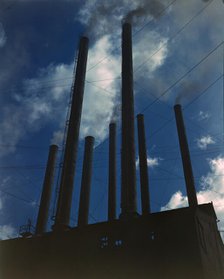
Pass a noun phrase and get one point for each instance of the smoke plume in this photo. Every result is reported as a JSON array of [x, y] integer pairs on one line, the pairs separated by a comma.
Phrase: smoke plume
[[188, 92], [104, 17], [152, 8], [116, 112]]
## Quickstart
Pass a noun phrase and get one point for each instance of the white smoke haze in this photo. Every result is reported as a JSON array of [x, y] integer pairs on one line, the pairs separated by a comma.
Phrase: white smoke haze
[[7, 232], [212, 190], [204, 141], [58, 137], [45, 96], [154, 58], [145, 8], [100, 106], [36, 107], [102, 18], [188, 89], [2, 36], [99, 99]]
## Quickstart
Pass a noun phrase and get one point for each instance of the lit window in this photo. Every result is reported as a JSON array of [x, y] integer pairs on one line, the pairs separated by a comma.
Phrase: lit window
[[118, 243], [103, 242], [152, 235]]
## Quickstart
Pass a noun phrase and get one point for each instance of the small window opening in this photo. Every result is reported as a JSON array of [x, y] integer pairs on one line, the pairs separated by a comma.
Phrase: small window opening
[[104, 242], [152, 235], [118, 243]]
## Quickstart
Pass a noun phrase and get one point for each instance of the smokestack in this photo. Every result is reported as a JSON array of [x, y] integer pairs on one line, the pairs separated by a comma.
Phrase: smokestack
[[86, 181], [112, 173], [185, 154], [143, 166], [71, 146], [47, 190], [128, 168]]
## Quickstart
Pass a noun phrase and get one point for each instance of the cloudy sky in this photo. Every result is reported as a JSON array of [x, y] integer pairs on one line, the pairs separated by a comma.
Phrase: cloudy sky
[[178, 57]]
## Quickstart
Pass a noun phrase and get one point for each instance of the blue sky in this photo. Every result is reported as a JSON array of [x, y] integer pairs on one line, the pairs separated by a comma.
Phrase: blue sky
[[178, 57]]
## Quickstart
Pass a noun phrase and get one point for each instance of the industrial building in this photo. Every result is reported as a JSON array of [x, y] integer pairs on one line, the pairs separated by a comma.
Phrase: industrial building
[[181, 243]]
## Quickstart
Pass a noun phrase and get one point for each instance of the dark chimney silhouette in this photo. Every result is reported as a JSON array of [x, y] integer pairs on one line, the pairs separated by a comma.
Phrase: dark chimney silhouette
[[112, 173], [46, 192], [86, 182], [186, 160], [143, 166], [128, 167], [70, 155]]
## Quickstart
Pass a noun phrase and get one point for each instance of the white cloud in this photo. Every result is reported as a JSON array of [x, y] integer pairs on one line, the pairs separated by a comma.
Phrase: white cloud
[[212, 191], [151, 162], [204, 141], [203, 115], [151, 57], [177, 201], [104, 17], [7, 231], [100, 97], [2, 36], [45, 96], [58, 137], [42, 102]]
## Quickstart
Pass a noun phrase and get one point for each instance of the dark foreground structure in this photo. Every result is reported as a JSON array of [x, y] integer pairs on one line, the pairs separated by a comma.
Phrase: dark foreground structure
[[181, 243], [176, 244]]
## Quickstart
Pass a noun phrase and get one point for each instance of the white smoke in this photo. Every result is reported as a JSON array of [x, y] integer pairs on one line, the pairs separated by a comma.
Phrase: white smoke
[[103, 17]]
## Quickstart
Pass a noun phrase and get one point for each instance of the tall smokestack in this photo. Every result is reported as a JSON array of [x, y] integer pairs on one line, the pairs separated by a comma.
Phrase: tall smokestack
[[112, 173], [86, 181], [185, 154], [128, 168], [71, 146], [47, 190], [143, 166]]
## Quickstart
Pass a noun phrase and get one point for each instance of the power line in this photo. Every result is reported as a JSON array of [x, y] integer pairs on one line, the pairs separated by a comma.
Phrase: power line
[[158, 14], [175, 35], [19, 198], [181, 30], [182, 77]]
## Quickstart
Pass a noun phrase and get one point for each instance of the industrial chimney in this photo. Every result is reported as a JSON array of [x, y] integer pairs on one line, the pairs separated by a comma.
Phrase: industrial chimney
[[186, 160], [86, 182], [71, 146], [143, 166], [128, 167], [112, 173], [47, 190]]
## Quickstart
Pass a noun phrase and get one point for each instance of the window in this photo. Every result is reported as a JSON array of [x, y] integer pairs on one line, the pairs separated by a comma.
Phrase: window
[[104, 242], [118, 243], [152, 235]]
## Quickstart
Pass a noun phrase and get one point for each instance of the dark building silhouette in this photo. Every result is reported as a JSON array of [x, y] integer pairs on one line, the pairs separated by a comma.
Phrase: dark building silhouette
[[182, 243]]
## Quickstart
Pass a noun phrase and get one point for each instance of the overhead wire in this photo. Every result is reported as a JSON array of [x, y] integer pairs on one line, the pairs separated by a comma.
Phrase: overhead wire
[[182, 77], [173, 1], [176, 34], [141, 28]]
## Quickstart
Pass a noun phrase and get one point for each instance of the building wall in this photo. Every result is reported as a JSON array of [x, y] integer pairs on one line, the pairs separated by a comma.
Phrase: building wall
[[161, 245], [210, 243]]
